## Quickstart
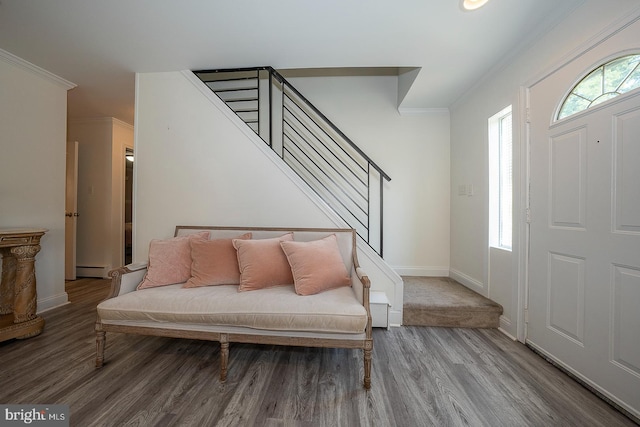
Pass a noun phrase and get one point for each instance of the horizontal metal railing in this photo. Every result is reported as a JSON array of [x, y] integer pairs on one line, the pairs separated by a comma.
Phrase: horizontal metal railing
[[312, 145]]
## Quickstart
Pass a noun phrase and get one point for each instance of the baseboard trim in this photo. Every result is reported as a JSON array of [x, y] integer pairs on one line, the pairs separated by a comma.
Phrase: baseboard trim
[[54, 301], [422, 271], [395, 318], [505, 327], [102, 272], [468, 281]]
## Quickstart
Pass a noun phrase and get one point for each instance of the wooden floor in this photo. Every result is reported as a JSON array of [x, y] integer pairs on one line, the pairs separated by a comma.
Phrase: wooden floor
[[421, 377]]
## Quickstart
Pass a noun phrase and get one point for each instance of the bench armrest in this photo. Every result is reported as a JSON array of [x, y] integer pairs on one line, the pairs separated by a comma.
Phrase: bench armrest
[[359, 282], [126, 279], [362, 287]]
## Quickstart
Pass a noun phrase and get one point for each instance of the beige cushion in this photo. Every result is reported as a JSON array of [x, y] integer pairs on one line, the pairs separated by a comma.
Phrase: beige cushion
[[316, 265], [278, 308], [170, 261], [214, 262], [262, 263]]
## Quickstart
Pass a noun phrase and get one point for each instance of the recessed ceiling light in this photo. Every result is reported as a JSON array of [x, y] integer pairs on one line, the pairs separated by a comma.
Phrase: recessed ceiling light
[[473, 4]]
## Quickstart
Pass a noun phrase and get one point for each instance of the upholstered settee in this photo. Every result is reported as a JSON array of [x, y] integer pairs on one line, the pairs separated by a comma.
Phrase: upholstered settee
[[296, 287]]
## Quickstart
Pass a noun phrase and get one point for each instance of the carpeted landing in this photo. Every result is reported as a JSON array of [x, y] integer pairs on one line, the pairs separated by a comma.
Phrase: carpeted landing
[[441, 301]]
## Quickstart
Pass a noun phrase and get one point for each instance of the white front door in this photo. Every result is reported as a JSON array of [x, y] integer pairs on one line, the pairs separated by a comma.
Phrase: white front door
[[584, 263]]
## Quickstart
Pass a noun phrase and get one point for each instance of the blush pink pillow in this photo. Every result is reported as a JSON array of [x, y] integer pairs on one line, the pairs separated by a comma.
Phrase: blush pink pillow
[[214, 262], [170, 261], [317, 266], [262, 263]]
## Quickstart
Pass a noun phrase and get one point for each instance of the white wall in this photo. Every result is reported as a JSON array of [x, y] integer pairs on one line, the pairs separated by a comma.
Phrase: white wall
[[101, 146], [193, 166], [196, 165], [469, 158], [412, 149], [33, 114]]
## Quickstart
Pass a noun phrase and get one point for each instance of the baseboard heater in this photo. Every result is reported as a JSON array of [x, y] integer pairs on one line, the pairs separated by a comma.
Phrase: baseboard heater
[[93, 271]]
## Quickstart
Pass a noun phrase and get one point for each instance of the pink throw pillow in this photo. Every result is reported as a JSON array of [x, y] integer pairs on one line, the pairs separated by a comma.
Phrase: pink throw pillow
[[317, 266], [170, 260], [262, 263], [214, 262]]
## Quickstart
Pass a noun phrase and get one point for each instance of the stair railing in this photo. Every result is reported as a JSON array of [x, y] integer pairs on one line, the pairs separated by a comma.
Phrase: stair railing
[[338, 171]]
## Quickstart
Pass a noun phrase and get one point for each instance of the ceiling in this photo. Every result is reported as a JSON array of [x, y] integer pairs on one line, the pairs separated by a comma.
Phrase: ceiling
[[100, 45]]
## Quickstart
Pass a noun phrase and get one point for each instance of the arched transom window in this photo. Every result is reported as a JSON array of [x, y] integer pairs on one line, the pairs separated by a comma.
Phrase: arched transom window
[[605, 82]]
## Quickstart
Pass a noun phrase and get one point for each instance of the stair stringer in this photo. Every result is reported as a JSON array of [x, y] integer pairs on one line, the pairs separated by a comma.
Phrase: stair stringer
[[382, 276]]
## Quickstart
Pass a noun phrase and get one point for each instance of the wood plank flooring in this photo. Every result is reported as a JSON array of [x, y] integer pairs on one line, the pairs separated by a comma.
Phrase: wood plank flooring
[[421, 377]]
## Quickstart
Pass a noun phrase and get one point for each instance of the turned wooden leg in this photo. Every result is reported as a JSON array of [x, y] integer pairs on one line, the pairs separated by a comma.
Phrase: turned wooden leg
[[101, 338], [6, 281], [224, 356], [367, 364]]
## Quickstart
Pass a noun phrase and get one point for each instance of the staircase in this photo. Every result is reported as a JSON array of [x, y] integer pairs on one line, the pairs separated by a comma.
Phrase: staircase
[[337, 170], [443, 302], [347, 180]]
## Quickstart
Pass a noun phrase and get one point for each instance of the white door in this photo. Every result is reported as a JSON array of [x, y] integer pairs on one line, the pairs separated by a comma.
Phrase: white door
[[584, 263], [71, 211]]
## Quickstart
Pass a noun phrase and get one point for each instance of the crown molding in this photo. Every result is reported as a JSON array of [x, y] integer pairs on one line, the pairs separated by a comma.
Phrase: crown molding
[[411, 111], [121, 123], [28, 66], [93, 120]]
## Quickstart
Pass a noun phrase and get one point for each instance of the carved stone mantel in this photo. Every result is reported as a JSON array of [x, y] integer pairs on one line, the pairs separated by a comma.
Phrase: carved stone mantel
[[18, 297]]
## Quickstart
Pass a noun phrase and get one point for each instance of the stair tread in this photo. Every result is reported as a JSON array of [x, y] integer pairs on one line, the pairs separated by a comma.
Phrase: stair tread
[[441, 301]]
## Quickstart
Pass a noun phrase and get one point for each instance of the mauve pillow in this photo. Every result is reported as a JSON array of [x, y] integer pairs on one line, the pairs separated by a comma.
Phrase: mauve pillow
[[262, 263], [170, 260], [214, 262], [316, 266]]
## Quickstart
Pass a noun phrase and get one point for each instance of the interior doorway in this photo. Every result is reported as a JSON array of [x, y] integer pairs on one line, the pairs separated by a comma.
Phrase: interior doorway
[[128, 206]]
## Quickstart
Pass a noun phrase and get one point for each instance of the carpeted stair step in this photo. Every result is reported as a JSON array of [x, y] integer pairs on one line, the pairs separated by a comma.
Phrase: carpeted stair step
[[441, 301]]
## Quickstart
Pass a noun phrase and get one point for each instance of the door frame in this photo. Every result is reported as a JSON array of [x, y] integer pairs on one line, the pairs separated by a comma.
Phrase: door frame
[[523, 222], [524, 161], [128, 151]]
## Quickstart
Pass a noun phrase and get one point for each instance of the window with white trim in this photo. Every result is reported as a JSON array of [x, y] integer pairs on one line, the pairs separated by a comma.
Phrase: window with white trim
[[501, 179], [607, 81]]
